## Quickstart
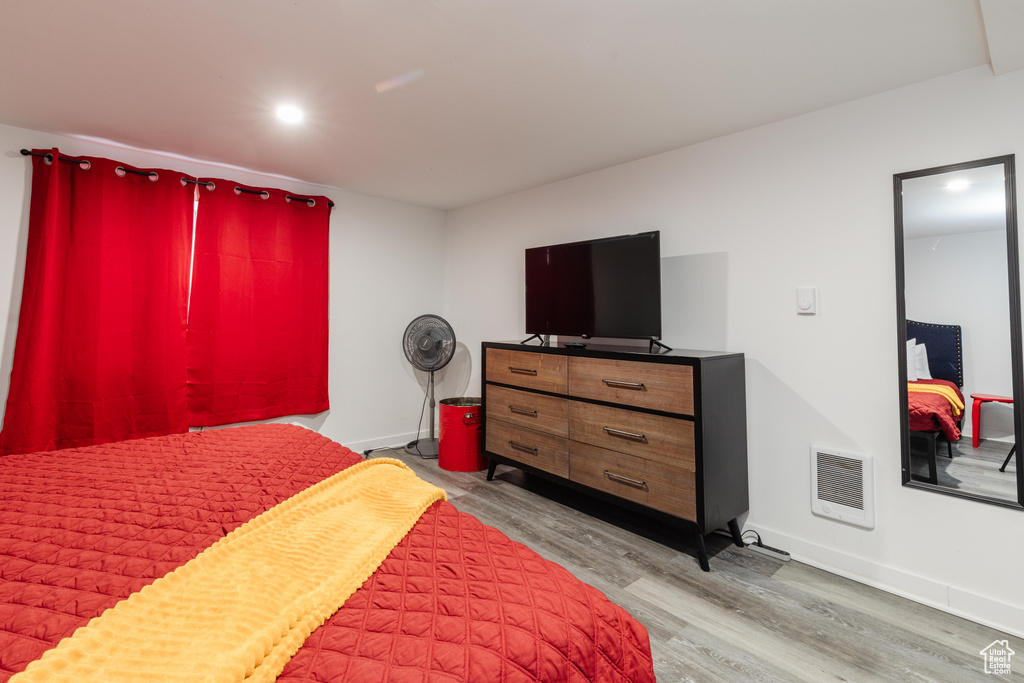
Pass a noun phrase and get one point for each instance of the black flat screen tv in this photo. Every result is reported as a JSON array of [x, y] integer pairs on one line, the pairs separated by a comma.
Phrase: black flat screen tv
[[608, 287]]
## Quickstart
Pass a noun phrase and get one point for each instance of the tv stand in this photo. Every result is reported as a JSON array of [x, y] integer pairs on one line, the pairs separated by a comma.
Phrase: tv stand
[[655, 342]]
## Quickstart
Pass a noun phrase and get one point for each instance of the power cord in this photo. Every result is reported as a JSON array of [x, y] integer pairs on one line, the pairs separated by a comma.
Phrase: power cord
[[759, 546], [419, 427], [751, 531], [383, 448]]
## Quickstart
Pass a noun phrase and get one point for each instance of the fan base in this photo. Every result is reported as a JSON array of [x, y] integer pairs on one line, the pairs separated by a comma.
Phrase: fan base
[[425, 448]]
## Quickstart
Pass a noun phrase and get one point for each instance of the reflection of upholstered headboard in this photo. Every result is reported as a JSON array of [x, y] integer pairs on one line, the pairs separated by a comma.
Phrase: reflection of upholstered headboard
[[945, 355]]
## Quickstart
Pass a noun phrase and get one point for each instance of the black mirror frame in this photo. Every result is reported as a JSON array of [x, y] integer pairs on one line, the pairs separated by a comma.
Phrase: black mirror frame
[[1013, 268]]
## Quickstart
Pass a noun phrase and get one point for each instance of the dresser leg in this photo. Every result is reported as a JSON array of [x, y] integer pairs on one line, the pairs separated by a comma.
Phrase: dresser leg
[[734, 529], [490, 469], [702, 551]]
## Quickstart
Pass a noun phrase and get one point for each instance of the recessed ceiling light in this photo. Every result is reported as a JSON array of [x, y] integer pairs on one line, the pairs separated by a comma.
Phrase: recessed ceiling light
[[289, 113], [957, 185]]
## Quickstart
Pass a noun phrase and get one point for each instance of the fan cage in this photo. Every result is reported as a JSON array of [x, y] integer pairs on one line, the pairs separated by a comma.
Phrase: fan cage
[[441, 336]]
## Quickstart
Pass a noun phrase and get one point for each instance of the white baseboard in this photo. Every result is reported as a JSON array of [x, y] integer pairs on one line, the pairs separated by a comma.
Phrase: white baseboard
[[383, 442], [991, 612], [357, 446]]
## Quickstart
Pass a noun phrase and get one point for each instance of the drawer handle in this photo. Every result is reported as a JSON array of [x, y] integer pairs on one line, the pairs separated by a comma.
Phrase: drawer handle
[[635, 483], [523, 411], [626, 435], [619, 384], [522, 371], [521, 447]]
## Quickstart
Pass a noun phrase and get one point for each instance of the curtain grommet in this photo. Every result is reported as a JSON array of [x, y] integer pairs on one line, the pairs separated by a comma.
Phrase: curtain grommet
[[121, 172], [263, 194], [185, 182]]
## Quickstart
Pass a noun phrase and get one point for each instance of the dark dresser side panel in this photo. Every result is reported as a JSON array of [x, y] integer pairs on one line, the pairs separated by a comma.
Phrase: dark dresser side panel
[[724, 422]]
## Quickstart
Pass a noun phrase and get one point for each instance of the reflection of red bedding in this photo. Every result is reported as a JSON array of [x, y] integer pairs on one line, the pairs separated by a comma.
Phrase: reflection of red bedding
[[932, 412], [81, 529]]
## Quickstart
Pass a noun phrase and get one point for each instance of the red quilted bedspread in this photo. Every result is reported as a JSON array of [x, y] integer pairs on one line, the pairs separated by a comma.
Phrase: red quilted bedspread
[[933, 413], [456, 600]]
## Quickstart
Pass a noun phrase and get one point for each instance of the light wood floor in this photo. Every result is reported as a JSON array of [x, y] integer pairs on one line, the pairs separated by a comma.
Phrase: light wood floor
[[975, 470], [750, 618]]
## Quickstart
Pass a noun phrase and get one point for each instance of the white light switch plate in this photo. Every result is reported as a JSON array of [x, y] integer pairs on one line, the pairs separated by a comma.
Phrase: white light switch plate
[[807, 301]]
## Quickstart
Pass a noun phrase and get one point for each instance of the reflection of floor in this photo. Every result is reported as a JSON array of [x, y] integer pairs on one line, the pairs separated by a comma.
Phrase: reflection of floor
[[974, 470]]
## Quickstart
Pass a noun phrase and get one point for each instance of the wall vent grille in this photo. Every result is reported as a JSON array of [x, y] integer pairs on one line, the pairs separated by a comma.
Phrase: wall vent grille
[[841, 480], [842, 486]]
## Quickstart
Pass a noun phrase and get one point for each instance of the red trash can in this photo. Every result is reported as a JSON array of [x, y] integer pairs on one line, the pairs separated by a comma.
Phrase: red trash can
[[459, 447]]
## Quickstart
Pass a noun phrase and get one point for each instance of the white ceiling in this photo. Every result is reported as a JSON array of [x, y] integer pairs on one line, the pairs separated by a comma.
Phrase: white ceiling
[[513, 93], [931, 208]]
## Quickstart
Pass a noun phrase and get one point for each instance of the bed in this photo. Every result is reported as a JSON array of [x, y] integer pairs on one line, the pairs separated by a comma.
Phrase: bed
[[935, 401], [931, 411], [82, 529]]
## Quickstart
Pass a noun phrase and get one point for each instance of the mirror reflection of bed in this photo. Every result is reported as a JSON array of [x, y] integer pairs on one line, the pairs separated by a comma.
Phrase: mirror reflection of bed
[[958, 330], [941, 453]]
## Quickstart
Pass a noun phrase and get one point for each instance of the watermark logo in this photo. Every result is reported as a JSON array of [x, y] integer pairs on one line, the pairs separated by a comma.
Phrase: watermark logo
[[997, 657]]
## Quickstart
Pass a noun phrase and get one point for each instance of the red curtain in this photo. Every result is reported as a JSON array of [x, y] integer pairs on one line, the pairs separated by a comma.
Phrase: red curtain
[[257, 340], [100, 351]]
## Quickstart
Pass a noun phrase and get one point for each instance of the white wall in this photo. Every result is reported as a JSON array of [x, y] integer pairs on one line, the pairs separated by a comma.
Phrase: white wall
[[961, 280], [802, 202], [385, 269]]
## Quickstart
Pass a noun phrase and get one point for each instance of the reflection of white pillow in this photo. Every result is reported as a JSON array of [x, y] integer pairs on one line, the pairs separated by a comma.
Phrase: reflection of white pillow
[[921, 356], [912, 360]]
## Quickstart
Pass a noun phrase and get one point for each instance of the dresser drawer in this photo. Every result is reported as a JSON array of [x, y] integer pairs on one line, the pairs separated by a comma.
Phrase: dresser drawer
[[657, 386], [544, 413], [543, 371], [669, 488], [543, 451], [654, 437]]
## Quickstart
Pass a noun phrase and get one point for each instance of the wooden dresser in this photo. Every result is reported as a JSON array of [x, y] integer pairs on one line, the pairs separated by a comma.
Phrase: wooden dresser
[[664, 433]]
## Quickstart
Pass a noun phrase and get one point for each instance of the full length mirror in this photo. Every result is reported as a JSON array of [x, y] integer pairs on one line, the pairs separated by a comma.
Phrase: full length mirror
[[959, 342]]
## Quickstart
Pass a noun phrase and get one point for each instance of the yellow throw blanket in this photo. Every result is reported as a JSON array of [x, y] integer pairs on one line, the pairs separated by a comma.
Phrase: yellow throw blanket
[[241, 608], [942, 390]]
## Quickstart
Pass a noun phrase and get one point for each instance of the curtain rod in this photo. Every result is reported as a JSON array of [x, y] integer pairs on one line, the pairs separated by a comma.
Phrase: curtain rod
[[308, 201], [49, 157], [150, 174]]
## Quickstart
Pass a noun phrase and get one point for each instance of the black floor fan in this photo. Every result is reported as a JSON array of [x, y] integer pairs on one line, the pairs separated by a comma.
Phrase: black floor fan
[[429, 343]]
